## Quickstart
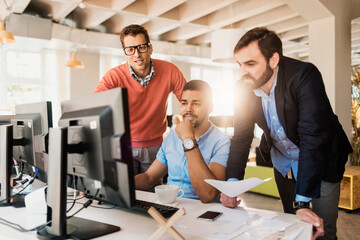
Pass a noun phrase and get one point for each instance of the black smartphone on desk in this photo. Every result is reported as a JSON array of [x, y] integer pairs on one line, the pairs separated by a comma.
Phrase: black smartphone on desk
[[209, 216]]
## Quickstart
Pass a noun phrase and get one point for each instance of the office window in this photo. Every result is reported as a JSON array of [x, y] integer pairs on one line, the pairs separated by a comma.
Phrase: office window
[[117, 60], [221, 81], [23, 65], [26, 77], [23, 93]]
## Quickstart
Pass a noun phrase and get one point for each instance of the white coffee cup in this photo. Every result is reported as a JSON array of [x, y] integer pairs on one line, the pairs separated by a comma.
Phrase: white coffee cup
[[168, 193]]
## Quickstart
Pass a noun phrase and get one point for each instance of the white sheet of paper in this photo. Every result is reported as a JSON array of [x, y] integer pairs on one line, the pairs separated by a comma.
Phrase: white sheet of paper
[[267, 230], [233, 222], [235, 188]]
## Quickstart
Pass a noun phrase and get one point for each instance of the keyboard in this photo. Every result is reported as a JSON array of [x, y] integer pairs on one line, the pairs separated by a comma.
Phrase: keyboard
[[165, 211]]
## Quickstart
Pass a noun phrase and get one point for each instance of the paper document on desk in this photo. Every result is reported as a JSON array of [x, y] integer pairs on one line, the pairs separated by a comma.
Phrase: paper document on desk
[[276, 229], [233, 222], [235, 188]]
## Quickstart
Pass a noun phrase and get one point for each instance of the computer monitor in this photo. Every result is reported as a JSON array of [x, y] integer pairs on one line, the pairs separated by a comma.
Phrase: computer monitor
[[31, 124], [98, 138], [95, 148], [24, 139]]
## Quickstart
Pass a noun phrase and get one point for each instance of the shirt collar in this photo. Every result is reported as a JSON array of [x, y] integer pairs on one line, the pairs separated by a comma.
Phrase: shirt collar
[[207, 133], [149, 76]]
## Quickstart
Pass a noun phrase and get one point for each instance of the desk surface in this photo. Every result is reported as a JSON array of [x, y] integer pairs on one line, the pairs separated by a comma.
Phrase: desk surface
[[133, 225]]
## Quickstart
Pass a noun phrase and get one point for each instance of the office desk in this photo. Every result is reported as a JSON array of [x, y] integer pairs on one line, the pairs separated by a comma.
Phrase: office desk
[[133, 225]]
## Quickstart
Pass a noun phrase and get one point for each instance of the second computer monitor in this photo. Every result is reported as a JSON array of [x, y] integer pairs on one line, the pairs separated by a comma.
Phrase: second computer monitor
[[31, 124], [99, 147]]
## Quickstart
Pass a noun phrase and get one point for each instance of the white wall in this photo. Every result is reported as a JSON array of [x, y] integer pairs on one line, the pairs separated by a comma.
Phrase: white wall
[[330, 51], [84, 81], [185, 68]]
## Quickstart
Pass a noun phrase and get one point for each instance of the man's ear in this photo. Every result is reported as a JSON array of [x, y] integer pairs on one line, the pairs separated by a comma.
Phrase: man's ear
[[151, 49], [211, 107], [274, 60]]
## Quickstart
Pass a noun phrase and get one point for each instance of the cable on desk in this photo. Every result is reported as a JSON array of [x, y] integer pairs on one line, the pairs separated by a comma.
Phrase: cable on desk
[[20, 228], [85, 205], [22, 182], [74, 198], [69, 200], [15, 225], [18, 169], [111, 207]]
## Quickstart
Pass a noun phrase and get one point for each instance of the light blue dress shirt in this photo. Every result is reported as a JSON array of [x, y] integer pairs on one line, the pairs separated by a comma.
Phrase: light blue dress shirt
[[214, 146], [284, 153]]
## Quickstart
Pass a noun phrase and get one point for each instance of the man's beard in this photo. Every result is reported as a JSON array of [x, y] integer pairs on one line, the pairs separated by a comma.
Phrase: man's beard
[[257, 83], [194, 122]]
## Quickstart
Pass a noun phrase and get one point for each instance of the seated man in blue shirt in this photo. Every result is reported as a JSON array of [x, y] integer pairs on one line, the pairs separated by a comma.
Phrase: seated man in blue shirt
[[195, 151]]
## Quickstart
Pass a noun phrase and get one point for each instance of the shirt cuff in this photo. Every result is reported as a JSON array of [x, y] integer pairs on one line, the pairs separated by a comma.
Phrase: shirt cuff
[[302, 198], [232, 179]]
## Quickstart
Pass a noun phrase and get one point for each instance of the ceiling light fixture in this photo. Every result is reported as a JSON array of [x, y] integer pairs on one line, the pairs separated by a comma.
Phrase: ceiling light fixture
[[5, 37], [74, 63]]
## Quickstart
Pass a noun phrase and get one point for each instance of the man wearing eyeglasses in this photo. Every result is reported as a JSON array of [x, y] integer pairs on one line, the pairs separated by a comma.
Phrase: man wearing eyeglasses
[[149, 83]]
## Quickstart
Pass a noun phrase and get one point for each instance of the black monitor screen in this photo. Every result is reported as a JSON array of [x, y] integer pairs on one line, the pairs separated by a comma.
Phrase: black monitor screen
[[31, 124], [99, 148]]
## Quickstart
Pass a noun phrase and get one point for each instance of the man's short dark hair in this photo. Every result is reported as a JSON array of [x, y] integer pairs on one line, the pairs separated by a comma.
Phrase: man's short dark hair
[[268, 42], [133, 30], [201, 86]]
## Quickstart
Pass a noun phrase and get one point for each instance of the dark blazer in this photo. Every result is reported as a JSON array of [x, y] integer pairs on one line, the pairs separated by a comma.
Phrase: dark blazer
[[305, 113]]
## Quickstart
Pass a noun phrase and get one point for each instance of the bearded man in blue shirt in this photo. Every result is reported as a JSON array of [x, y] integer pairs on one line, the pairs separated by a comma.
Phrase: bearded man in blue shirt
[[195, 151], [302, 136]]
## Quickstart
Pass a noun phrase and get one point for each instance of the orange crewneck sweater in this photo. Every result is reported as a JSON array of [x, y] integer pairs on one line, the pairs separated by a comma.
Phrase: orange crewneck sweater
[[147, 105]]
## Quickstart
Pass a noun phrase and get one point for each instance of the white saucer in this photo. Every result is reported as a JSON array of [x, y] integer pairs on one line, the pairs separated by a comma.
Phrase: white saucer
[[168, 204]]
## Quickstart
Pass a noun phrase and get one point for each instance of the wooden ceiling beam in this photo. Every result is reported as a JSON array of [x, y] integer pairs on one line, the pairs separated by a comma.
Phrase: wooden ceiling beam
[[276, 15]]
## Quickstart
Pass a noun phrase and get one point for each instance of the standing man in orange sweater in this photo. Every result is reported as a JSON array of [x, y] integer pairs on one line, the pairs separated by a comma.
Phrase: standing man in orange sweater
[[149, 83]]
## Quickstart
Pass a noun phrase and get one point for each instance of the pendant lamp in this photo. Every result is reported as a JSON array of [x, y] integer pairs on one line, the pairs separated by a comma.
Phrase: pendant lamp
[[5, 37], [74, 63]]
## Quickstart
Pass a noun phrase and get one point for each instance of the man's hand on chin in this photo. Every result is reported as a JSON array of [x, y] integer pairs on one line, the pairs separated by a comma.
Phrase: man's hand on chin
[[309, 216], [185, 130], [230, 202]]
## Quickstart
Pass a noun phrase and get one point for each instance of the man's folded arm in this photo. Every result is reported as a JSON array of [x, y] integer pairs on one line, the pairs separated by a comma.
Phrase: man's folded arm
[[152, 176]]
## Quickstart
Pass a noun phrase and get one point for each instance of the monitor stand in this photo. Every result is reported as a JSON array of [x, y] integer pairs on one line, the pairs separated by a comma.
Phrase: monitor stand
[[60, 227]]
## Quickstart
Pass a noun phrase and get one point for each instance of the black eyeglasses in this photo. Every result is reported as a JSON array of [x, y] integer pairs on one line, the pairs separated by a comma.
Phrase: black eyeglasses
[[142, 48]]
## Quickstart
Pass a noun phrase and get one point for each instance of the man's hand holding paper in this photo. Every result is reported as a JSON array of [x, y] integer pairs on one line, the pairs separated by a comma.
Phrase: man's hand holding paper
[[230, 202], [231, 189]]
